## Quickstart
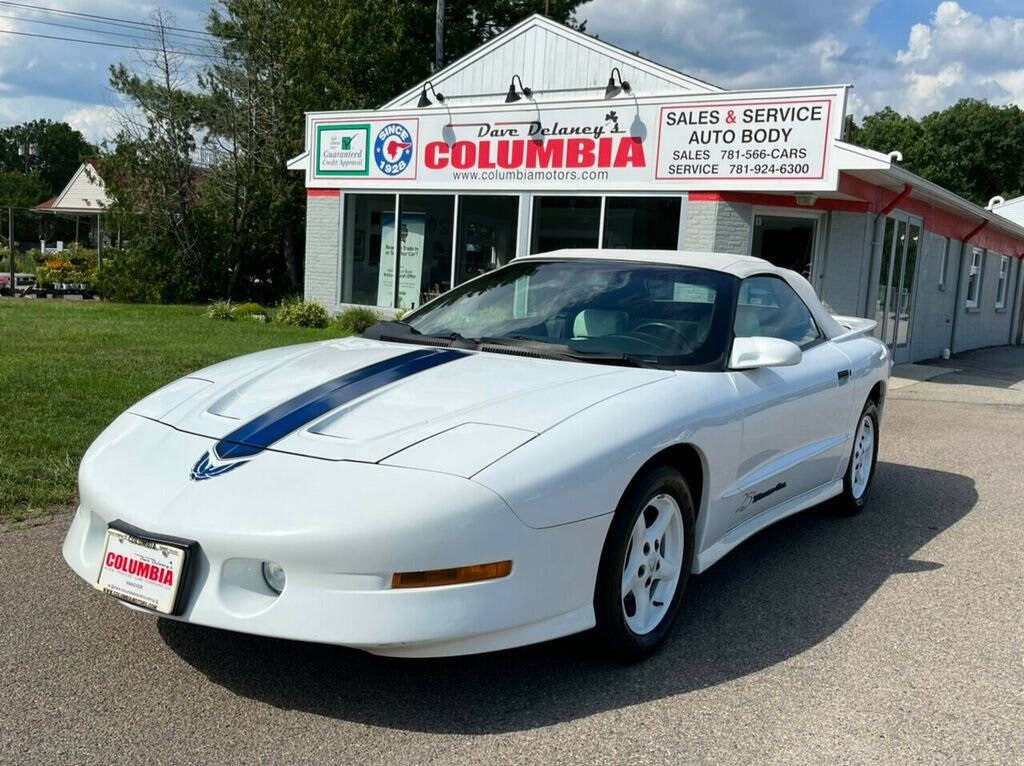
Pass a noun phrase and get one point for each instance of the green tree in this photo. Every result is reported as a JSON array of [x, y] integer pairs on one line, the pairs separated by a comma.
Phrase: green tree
[[239, 231], [887, 131], [470, 23], [61, 151], [282, 59], [21, 189], [975, 149], [152, 173]]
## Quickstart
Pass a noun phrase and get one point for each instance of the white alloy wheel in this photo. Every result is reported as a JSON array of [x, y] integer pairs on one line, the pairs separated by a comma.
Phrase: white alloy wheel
[[863, 457], [653, 564]]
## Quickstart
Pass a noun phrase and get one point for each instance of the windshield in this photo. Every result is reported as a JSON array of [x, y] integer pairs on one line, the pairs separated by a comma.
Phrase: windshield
[[659, 315]]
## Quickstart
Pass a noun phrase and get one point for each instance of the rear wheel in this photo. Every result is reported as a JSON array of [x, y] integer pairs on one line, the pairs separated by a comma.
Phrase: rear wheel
[[860, 473], [645, 564]]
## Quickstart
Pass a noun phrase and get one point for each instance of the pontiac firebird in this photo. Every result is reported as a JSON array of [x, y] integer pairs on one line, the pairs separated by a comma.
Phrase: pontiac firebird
[[552, 447]]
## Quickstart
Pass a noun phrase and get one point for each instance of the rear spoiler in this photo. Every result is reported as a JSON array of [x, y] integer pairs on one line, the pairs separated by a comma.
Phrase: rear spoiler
[[854, 327]]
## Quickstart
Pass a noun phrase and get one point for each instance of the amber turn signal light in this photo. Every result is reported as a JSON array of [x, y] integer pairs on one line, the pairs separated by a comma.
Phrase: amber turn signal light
[[453, 576]]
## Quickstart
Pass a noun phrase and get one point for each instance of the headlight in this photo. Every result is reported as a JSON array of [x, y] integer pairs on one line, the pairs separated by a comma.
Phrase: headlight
[[273, 573]]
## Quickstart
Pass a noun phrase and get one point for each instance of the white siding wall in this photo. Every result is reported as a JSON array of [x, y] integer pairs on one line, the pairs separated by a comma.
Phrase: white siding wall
[[934, 306], [85, 191], [846, 263], [548, 60]]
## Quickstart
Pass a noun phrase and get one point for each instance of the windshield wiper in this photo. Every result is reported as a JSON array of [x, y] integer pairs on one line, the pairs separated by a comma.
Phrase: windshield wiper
[[401, 332], [532, 345]]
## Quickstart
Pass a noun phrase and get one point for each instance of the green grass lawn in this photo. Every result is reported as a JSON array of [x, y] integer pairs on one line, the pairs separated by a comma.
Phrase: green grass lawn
[[68, 368]]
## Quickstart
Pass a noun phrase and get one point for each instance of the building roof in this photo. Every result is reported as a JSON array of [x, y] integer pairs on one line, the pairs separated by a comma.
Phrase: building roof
[[84, 194], [881, 170], [528, 49], [1012, 209]]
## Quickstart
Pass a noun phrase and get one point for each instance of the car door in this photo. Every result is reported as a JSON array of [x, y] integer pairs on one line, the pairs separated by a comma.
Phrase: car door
[[794, 418]]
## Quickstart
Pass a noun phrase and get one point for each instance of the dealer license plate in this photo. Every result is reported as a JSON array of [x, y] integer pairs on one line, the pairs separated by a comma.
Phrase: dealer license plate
[[140, 571]]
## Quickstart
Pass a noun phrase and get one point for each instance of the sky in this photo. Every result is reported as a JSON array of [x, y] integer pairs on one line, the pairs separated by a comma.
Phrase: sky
[[914, 55]]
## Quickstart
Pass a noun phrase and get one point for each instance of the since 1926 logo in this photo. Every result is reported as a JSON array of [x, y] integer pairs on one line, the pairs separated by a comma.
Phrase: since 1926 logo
[[393, 149]]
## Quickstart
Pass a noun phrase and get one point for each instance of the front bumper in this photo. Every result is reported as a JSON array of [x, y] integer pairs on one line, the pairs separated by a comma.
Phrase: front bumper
[[340, 530]]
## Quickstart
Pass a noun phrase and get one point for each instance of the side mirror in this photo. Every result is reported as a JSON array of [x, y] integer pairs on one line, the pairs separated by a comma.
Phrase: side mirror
[[751, 353]]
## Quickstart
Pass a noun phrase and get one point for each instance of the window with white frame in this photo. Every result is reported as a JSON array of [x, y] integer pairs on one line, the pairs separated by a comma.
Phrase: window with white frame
[[944, 262], [1004, 278], [974, 277]]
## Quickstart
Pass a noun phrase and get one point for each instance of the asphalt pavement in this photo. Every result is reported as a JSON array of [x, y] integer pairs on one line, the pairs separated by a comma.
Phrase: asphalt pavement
[[896, 636]]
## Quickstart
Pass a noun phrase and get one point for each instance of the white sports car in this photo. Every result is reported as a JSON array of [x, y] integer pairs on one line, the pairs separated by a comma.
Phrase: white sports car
[[551, 447]]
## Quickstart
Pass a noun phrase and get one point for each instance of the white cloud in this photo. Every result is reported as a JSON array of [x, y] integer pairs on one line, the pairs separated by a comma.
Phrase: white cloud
[[950, 54], [96, 123], [959, 53], [45, 78]]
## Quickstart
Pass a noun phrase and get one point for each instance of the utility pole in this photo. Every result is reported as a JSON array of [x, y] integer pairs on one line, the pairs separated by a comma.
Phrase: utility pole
[[10, 242], [439, 37], [99, 243]]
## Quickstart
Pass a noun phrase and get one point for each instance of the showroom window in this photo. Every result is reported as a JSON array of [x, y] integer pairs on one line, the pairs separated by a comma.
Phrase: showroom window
[[560, 222], [424, 249], [487, 228], [642, 223], [1004, 278], [369, 241], [974, 278]]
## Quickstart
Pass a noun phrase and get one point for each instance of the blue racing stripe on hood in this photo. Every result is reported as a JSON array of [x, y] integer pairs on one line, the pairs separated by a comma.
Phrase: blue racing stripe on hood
[[290, 416]]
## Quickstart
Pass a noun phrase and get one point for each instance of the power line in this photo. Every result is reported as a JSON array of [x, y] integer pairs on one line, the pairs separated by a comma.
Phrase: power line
[[127, 35], [109, 44], [115, 20]]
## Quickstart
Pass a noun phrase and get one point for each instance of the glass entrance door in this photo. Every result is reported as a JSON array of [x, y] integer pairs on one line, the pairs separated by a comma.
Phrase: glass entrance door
[[901, 245]]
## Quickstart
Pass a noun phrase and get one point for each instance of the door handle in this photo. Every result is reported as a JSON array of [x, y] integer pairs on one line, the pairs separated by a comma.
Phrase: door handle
[[843, 375]]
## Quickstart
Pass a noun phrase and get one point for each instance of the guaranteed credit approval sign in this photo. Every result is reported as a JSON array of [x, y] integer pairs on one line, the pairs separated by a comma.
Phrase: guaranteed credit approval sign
[[765, 140]]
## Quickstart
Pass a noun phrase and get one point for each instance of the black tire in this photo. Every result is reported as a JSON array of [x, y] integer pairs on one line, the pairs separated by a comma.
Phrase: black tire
[[849, 503], [618, 639]]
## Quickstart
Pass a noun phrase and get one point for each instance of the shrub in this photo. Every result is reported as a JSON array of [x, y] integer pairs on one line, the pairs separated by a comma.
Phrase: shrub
[[355, 320], [303, 314], [129, 276], [251, 311], [24, 263], [220, 310]]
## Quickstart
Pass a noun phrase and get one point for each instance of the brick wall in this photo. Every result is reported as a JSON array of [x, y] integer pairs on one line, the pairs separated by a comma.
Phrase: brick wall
[[721, 227], [322, 250], [699, 231], [733, 226]]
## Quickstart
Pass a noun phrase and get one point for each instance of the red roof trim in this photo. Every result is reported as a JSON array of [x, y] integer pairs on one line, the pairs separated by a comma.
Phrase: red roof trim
[[323, 193], [772, 200], [936, 219]]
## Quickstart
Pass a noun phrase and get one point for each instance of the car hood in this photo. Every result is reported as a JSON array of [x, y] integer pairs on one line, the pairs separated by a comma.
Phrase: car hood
[[373, 401]]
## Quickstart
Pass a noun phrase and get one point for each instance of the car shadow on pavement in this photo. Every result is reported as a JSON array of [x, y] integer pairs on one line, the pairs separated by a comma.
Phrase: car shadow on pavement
[[777, 595]]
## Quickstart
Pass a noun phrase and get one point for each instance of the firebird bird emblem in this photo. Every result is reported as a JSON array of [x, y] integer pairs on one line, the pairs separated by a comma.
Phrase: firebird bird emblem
[[753, 497], [204, 469]]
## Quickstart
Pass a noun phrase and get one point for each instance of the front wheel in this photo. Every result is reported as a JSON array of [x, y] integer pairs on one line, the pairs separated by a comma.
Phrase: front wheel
[[645, 564], [860, 473]]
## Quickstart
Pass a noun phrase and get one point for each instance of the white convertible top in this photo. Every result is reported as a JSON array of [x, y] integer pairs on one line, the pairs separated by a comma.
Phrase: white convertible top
[[740, 266]]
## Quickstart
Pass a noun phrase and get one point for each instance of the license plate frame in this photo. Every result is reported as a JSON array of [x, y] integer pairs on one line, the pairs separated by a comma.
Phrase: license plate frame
[[175, 554]]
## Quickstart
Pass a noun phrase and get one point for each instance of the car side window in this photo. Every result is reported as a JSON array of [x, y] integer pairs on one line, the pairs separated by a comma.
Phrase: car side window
[[768, 307]]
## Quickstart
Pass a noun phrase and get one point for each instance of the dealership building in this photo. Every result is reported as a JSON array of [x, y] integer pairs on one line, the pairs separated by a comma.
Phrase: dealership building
[[546, 138]]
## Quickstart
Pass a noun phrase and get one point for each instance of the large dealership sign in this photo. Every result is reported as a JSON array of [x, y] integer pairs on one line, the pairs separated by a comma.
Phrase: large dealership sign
[[779, 140]]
